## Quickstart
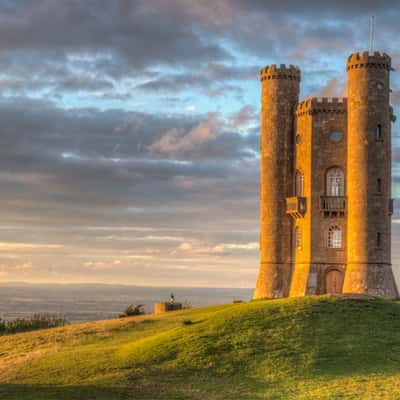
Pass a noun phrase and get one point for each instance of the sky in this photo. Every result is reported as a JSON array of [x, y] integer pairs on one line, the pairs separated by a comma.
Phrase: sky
[[129, 130]]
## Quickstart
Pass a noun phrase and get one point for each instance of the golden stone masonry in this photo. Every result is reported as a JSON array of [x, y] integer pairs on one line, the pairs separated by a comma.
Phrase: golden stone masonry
[[325, 187]]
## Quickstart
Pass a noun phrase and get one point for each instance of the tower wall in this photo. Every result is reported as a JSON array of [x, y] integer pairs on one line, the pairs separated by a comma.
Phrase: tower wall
[[280, 94], [316, 154], [303, 160], [368, 161]]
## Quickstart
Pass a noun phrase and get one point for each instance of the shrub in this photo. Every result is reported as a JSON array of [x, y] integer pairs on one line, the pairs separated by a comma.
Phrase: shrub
[[37, 321], [132, 310]]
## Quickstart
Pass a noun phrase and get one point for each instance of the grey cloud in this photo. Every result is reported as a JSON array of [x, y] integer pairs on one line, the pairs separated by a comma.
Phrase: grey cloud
[[84, 165], [93, 45], [226, 90], [129, 29], [209, 76]]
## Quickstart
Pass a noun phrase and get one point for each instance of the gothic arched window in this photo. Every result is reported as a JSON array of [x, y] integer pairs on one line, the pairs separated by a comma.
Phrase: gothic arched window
[[335, 237], [299, 184], [335, 182]]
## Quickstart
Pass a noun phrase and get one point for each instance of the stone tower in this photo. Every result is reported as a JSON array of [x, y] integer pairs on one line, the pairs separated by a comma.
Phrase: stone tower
[[280, 94], [369, 176], [326, 185]]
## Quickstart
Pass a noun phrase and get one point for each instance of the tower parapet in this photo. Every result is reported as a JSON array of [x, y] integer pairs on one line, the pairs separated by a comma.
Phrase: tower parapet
[[290, 72], [316, 105], [369, 60]]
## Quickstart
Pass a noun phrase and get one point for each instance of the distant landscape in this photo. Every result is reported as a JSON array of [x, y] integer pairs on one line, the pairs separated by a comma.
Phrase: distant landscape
[[90, 302]]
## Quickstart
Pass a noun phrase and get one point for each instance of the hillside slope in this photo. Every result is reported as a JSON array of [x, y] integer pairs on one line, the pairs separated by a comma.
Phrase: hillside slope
[[304, 348]]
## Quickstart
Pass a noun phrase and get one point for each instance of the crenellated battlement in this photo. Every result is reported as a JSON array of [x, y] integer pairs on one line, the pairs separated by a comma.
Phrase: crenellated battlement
[[290, 72], [369, 60], [316, 105]]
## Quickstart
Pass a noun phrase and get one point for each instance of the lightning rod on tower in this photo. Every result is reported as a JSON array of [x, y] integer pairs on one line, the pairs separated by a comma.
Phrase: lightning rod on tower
[[371, 34]]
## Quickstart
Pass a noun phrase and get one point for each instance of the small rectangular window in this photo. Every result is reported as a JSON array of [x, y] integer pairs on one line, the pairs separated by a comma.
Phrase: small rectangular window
[[378, 132], [379, 185], [378, 240], [298, 238], [299, 184]]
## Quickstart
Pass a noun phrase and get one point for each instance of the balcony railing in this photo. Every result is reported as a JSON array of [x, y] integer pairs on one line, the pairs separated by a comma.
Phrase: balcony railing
[[296, 206], [333, 205]]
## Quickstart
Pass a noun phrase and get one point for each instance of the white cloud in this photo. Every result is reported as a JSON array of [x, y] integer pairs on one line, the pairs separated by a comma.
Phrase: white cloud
[[175, 141], [8, 246], [155, 238], [140, 256], [185, 246], [219, 249], [241, 246]]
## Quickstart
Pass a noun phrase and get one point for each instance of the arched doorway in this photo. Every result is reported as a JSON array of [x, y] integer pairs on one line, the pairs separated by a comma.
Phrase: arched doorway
[[334, 281]]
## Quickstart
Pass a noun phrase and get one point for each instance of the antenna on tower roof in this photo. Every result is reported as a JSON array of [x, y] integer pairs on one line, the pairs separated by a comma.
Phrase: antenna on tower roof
[[371, 33]]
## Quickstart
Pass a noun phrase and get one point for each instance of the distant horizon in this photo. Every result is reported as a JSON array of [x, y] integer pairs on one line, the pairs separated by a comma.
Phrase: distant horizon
[[89, 302], [119, 284]]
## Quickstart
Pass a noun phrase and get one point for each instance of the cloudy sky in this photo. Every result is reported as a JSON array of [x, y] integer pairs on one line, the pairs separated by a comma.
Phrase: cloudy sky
[[129, 130]]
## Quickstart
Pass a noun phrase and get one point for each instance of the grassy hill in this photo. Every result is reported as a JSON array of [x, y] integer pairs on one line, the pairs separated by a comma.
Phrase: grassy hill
[[304, 348]]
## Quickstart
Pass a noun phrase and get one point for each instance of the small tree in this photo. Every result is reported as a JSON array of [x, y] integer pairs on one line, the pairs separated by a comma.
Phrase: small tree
[[132, 310]]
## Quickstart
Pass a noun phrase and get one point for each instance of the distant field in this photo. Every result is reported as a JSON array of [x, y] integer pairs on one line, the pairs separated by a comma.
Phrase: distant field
[[308, 348]]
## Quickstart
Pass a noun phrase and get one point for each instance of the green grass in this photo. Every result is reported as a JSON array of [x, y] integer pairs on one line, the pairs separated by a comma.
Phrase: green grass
[[303, 348]]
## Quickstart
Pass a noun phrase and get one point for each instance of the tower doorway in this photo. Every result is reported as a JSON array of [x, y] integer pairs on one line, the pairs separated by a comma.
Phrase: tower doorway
[[333, 281]]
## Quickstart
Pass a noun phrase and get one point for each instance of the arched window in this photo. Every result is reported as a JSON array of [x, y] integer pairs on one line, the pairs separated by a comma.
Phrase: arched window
[[298, 237], [335, 182], [299, 184], [335, 237], [378, 132]]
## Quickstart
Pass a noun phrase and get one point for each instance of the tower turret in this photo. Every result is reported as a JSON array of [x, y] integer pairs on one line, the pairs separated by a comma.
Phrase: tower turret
[[369, 176], [280, 94]]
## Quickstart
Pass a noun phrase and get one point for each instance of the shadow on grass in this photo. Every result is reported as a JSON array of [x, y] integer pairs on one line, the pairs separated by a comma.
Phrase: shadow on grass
[[172, 384], [62, 392], [161, 388], [286, 342], [354, 337]]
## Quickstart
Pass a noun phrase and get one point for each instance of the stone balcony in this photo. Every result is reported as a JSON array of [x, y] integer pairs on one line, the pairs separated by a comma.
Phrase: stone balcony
[[296, 206], [333, 206]]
